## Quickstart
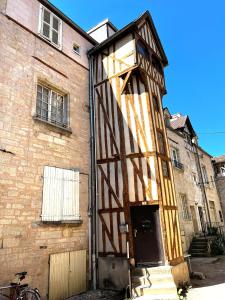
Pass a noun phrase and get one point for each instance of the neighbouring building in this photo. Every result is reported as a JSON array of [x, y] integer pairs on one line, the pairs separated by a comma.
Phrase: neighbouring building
[[44, 147], [198, 201], [136, 204], [219, 166]]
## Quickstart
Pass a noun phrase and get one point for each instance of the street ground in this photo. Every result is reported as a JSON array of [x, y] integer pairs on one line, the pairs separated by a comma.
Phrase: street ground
[[210, 288], [213, 287], [99, 294]]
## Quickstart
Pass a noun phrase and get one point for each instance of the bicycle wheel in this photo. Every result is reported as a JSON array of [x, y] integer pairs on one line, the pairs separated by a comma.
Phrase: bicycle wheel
[[29, 295]]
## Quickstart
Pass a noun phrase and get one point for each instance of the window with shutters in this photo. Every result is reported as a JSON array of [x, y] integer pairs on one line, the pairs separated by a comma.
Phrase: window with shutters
[[52, 106], [60, 195], [50, 27]]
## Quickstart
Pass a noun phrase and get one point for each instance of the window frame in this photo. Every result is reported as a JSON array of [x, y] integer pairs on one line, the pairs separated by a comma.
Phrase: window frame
[[40, 27], [186, 215], [65, 110], [205, 175]]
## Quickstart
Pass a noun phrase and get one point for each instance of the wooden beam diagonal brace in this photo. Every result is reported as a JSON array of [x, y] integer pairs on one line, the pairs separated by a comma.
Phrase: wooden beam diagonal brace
[[126, 80], [140, 176], [109, 186], [110, 236], [107, 122]]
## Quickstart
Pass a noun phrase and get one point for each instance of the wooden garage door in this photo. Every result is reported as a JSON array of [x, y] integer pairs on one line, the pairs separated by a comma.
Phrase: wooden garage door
[[67, 275]]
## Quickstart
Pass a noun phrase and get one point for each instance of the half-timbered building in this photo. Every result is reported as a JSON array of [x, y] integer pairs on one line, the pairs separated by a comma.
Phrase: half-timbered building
[[137, 220]]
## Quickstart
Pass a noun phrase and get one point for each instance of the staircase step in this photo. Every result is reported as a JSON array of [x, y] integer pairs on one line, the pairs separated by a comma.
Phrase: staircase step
[[164, 288], [151, 271], [151, 279]]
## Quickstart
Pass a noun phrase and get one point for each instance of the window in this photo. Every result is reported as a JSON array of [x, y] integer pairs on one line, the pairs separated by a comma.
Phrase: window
[[221, 216], [194, 176], [176, 158], [155, 103], [52, 106], [185, 212], [50, 26], [205, 175], [165, 168], [212, 181], [76, 48], [60, 195], [142, 49], [157, 64], [161, 142]]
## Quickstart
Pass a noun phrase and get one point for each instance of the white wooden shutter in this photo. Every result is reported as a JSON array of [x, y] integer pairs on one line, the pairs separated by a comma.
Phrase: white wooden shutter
[[71, 196], [60, 195]]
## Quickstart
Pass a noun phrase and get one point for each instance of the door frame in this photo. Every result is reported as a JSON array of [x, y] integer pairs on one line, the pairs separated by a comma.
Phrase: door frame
[[158, 232]]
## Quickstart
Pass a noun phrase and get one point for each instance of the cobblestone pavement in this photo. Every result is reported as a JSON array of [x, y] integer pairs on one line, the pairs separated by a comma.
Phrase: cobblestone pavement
[[213, 287]]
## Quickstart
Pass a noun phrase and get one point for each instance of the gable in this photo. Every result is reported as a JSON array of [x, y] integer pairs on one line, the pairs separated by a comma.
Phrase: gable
[[147, 30]]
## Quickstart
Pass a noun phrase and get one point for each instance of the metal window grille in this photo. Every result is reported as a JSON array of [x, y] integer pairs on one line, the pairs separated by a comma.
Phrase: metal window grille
[[52, 106], [185, 212], [50, 27], [60, 195]]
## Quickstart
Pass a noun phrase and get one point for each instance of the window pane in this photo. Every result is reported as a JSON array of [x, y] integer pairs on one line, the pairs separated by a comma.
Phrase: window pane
[[46, 30], [165, 169], [46, 16], [55, 24], [162, 148], [55, 37]]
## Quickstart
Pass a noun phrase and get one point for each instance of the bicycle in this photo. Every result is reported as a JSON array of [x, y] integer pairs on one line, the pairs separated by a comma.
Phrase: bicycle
[[18, 291]]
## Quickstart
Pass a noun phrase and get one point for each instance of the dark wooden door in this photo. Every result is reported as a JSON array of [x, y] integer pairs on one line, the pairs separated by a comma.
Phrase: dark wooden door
[[146, 234], [200, 211]]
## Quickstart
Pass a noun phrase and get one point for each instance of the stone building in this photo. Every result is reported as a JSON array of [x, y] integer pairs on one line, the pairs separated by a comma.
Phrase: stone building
[[197, 196], [44, 142], [219, 166]]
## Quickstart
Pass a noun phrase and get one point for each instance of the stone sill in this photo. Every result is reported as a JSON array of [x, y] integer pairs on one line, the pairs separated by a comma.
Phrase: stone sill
[[58, 223], [61, 128]]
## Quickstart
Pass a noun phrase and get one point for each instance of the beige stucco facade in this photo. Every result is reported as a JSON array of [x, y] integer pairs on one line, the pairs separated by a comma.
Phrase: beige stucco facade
[[198, 200], [28, 145]]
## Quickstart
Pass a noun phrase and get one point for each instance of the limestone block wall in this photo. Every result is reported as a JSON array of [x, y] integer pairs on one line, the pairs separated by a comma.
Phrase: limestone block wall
[[25, 242]]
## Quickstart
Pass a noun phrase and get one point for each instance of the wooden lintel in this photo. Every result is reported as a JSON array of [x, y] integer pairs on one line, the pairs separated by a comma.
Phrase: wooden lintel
[[110, 210]]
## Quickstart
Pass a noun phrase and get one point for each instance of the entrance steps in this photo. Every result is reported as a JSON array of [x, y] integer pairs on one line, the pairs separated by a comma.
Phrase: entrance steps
[[199, 247], [154, 283]]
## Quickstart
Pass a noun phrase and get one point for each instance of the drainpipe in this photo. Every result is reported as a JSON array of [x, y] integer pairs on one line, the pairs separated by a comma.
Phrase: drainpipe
[[93, 197], [202, 186]]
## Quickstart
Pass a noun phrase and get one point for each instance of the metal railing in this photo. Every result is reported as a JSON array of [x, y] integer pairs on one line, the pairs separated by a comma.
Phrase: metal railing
[[178, 165], [213, 229]]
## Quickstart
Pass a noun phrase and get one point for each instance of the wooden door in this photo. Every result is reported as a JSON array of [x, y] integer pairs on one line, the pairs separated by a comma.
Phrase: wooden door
[[200, 211], [67, 276], [194, 219], [146, 234]]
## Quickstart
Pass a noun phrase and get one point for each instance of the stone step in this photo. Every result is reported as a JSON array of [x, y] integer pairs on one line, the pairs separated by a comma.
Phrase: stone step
[[197, 254], [160, 289], [151, 271], [151, 279]]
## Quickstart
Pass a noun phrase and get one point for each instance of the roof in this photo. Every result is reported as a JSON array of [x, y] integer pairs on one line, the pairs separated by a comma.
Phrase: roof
[[127, 29], [178, 122], [219, 159], [67, 20], [106, 21]]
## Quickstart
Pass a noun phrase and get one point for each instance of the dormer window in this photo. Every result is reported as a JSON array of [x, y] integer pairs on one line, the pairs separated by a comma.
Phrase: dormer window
[[50, 27]]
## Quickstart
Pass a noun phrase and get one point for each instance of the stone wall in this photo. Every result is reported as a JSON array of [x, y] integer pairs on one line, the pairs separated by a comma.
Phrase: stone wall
[[25, 242]]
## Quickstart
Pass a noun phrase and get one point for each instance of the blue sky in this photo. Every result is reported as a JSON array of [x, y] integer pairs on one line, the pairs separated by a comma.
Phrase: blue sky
[[193, 36]]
